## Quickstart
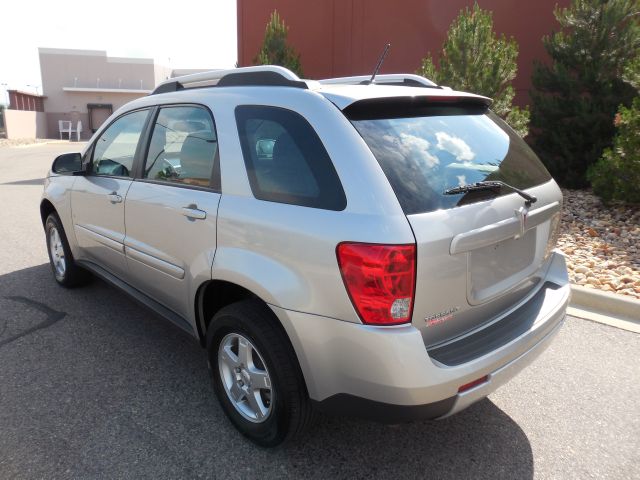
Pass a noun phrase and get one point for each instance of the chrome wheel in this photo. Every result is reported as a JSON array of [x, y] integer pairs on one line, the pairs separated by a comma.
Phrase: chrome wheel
[[57, 252], [245, 378]]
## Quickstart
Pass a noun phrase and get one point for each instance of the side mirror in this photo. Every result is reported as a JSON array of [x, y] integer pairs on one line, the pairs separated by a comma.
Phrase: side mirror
[[68, 163]]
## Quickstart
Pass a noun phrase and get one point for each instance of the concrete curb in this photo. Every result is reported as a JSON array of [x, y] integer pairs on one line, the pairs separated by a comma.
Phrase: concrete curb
[[609, 308]]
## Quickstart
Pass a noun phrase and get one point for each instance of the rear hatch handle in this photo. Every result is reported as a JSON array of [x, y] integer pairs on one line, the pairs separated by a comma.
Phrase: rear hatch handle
[[503, 230]]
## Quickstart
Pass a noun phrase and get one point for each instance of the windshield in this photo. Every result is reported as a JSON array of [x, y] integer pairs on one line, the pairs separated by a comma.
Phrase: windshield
[[425, 155]]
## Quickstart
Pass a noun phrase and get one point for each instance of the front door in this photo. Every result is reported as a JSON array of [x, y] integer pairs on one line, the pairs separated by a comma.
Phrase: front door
[[171, 211], [97, 200]]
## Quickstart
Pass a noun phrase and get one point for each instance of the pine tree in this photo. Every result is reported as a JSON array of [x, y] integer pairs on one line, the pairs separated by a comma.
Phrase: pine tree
[[275, 50], [475, 59], [576, 96], [631, 73], [617, 174]]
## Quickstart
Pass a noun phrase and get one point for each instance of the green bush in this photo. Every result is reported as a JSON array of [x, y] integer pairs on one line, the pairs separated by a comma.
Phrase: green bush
[[616, 176], [576, 95], [631, 73], [275, 50], [475, 59]]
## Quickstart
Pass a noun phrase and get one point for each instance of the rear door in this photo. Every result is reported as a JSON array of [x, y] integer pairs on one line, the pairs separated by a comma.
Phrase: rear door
[[478, 252], [171, 209], [98, 198]]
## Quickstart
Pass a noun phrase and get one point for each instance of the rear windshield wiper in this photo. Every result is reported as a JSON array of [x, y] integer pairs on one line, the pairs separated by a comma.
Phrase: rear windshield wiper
[[490, 185]]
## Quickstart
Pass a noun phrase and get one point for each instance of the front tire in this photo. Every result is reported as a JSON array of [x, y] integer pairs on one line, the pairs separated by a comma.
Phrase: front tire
[[256, 375], [65, 270]]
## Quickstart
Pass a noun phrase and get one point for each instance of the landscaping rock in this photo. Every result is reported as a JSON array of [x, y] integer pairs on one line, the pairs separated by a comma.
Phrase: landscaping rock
[[601, 243]]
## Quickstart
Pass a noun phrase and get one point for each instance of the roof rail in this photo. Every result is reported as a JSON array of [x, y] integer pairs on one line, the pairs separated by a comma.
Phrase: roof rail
[[266, 75], [403, 79]]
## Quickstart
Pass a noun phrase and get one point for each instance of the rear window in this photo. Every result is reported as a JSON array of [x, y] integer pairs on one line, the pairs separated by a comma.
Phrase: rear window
[[424, 155]]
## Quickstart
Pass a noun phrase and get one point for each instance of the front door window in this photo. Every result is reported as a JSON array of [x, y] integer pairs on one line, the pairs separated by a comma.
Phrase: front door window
[[115, 149]]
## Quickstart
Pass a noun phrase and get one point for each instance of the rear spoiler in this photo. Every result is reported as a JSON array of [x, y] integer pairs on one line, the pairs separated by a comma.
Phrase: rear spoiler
[[417, 106]]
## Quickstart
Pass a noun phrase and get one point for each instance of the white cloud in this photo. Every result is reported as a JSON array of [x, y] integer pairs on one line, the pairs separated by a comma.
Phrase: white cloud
[[455, 146], [411, 145]]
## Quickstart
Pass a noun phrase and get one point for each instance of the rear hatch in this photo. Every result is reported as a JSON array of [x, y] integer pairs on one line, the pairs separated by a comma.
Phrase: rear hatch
[[480, 252]]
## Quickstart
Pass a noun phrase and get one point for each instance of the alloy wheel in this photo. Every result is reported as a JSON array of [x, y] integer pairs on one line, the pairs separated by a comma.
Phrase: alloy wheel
[[245, 378], [57, 252]]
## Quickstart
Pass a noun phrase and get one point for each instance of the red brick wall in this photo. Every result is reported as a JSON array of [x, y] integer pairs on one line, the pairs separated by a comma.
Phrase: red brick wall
[[24, 101], [345, 37]]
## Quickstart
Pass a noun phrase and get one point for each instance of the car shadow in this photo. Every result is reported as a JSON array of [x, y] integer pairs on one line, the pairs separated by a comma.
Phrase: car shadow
[[94, 385], [34, 181]]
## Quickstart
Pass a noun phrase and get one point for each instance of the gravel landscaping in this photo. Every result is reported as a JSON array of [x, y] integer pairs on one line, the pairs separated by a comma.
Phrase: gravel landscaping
[[20, 142], [25, 142], [602, 243]]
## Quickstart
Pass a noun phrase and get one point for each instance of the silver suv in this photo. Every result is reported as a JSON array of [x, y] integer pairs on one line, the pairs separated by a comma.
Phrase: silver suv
[[381, 249]]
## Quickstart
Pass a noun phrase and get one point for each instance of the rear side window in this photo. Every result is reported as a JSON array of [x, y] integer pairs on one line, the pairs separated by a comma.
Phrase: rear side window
[[424, 155], [285, 159]]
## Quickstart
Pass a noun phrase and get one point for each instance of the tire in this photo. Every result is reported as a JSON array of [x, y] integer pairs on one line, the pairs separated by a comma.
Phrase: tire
[[286, 411], [65, 270]]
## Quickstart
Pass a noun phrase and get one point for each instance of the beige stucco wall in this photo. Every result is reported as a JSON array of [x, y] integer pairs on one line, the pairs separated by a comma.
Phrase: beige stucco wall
[[83, 68], [25, 124]]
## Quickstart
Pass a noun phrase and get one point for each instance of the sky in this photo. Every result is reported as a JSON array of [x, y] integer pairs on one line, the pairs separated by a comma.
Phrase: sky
[[182, 34]]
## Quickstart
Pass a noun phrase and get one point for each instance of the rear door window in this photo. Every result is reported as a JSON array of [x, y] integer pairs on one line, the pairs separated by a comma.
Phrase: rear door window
[[424, 155], [285, 159], [183, 148]]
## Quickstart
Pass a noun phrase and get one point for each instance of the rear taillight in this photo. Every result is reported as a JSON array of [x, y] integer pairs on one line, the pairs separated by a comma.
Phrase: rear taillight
[[380, 280]]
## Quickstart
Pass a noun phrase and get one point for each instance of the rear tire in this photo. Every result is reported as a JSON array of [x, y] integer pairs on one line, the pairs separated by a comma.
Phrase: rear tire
[[280, 411], [65, 270]]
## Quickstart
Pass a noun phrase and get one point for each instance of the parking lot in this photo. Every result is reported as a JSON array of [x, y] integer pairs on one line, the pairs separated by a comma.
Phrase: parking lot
[[94, 386]]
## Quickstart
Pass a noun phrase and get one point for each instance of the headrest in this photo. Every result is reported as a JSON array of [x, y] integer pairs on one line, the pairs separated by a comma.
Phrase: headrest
[[196, 155]]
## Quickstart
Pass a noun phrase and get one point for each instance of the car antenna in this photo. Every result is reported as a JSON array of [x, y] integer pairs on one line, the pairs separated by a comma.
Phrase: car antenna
[[379, 64]]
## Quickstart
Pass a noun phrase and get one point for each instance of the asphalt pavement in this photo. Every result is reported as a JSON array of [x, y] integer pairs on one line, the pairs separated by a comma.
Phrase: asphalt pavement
[[94, 386]]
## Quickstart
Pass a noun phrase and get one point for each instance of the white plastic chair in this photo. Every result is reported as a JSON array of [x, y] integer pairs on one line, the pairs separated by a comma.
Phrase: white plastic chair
[[64, 126]]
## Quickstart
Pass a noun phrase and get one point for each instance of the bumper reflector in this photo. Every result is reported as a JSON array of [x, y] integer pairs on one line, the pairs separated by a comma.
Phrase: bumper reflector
[[475, 383]]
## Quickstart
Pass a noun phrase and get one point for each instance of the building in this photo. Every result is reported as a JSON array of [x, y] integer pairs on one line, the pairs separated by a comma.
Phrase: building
[[87, 85], [25, 117], [346, 37]]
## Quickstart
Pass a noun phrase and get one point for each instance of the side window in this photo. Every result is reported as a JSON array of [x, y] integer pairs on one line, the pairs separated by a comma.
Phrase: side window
[[183, 147], [285, 159], [114, 150]]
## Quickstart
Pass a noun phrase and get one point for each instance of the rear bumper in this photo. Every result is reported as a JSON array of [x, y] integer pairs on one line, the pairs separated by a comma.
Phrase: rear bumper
[[386, 373], [345, 404]]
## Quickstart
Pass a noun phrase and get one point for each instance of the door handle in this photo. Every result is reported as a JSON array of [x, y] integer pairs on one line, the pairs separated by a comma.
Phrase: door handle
[[115, 198], [194, 213]]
